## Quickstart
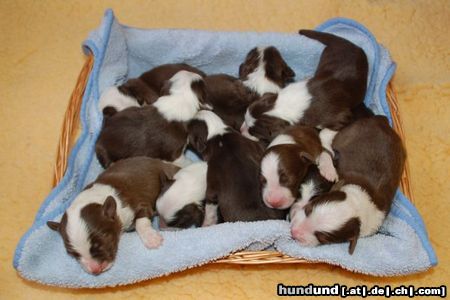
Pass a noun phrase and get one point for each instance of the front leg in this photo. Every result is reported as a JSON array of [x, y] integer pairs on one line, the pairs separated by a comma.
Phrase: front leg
[[149, 236], [325, 160], [211, 206]]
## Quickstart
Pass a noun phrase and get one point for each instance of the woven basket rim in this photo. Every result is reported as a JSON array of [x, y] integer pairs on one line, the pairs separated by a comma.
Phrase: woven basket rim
[[69, 133]]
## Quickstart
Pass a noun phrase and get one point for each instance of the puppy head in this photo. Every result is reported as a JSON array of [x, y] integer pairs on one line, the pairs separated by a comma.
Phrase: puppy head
[[259, 126], [283, 168], [184, 81], [115, 99], [325, 219], [91, 234], [265, 71], [139, 90], [205, 126]]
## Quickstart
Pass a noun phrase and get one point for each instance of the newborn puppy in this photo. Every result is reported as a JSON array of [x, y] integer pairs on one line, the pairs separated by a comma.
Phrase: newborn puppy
[[370, 164], [265, 71], [229, 98], [145, 89], [157, 130], [122, 197], [181, 203], [323, 101], [313, 184], [233, 167], [285, 164]]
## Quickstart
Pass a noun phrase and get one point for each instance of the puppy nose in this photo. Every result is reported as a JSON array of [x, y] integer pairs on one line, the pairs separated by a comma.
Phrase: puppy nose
[[297, 234], [244, 128], [96, 268], [276, 202]]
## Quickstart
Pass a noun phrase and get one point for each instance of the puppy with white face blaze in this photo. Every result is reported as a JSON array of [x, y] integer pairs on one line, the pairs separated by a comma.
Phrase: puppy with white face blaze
[[370, 164], [325, 100], [285, 164], [265, 71], [122, 197], [181, 202], [144, 90], [157, 130], [233, 190]]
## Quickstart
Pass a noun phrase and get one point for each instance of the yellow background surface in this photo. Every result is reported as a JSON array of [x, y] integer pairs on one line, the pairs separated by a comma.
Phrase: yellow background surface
[[40, 59]]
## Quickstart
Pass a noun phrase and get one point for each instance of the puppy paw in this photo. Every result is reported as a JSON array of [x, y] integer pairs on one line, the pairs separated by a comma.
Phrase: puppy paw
[[326, 167], [152, 240]]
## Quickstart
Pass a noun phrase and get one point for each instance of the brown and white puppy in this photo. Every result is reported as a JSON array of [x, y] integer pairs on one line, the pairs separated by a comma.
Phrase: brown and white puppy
[[144, 90], [370, 164], [265, 71], [229, 98], [285, 164], [233, 171], [181, 202], [157, 130], [323, 101], [122, 197]]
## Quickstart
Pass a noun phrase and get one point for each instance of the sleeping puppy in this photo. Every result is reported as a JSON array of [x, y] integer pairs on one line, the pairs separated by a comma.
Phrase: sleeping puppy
[[229, 98], [140, 91], [324, 101], [157, 130], [233, 171], [370, 164], [181, 202], [285, 164], [265, 71], [122, 197]]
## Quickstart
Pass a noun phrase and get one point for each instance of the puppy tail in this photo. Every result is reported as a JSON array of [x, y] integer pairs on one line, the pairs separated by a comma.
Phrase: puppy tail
[[325, 38]]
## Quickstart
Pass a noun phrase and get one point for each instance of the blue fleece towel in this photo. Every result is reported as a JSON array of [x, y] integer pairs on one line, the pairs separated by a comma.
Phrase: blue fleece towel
[[401, 246]]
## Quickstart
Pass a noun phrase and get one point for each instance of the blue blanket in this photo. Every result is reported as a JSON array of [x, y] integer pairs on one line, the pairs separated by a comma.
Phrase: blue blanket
[[400, 247]]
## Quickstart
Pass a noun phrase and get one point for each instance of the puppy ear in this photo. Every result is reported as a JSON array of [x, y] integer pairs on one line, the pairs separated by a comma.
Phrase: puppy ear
[[250, 64], [165, 90], [306, 157], [53, 225], [198, 133], [109, 207], [288, 73], [165, 181], [199, 88]]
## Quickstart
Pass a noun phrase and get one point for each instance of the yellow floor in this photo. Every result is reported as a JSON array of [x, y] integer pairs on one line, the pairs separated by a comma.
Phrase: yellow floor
[[40, 59]]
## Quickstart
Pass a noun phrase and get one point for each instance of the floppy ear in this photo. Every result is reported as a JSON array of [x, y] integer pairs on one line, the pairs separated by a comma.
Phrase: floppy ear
[[288, 73], [109, 207], [306, 157], [165, 90], [250, 63], [53, 225], [198, 133], [165, 181], [199, 88]]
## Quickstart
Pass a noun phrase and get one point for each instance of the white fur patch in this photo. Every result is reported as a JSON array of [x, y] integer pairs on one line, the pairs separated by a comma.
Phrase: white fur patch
[[292, 102], [189, 187], [326, 138], [182, 103], [282, 139], [149, 236], [331, 216], [211, 217], [307, 191], [273, 189], [257, 80], [112, 97], [216, 127], [76, 227]]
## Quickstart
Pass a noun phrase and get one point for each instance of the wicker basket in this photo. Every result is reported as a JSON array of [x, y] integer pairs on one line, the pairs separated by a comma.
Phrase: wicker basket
[[69, 134]]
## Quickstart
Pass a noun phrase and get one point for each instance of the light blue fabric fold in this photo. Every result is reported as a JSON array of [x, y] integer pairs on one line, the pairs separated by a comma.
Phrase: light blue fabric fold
[[401, 247]]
